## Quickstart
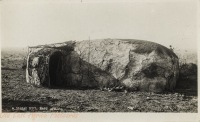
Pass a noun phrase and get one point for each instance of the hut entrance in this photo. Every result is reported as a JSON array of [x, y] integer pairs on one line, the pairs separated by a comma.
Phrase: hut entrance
[[55, 69]]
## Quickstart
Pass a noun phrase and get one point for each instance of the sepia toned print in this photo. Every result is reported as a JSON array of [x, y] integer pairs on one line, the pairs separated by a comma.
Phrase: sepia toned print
[[99, 57]]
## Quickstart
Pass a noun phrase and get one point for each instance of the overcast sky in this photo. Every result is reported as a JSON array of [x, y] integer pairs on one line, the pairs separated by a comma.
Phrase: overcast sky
[[32, 23]]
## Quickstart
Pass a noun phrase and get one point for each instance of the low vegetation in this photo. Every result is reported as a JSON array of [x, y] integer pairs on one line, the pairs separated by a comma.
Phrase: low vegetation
[[187, 77]]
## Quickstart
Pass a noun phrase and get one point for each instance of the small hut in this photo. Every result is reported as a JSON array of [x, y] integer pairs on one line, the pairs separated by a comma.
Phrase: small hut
[[45, 63]]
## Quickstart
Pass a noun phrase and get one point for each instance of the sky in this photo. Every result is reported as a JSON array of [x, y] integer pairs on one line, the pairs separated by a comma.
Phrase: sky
[[34, 22]]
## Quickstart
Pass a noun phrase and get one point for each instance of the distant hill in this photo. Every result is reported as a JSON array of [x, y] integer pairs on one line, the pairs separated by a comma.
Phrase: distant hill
[[14, 52]]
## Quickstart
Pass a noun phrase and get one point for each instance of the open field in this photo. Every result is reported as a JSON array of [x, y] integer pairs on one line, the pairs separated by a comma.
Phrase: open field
[[18, 96]]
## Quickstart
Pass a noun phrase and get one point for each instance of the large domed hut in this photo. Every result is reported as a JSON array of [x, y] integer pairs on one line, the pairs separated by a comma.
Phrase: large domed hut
[[128, 63]]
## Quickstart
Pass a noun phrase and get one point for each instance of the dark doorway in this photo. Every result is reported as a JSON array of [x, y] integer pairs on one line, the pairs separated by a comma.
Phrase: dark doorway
[[55, 69]]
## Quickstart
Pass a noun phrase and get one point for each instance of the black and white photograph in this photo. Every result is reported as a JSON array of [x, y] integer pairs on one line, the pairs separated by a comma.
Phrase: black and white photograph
[[87, 56]]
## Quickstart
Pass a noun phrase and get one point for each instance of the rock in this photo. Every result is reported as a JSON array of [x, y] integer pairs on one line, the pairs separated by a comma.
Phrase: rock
[[110, 89], [108, 63], [131, 108]]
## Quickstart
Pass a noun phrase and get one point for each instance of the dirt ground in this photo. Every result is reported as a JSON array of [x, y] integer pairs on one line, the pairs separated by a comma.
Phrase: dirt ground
[[18, 96]]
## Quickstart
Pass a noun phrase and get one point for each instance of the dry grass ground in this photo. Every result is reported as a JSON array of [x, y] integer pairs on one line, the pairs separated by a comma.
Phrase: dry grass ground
[[17, 95]]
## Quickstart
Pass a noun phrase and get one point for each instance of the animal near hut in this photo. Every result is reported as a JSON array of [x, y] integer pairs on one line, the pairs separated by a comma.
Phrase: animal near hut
[[111, 63]]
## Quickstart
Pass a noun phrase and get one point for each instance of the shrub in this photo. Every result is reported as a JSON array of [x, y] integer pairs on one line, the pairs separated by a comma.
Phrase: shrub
[[187, 77]]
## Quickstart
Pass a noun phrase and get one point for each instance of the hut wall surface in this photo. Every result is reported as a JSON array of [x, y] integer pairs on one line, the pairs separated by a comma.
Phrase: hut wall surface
[[38, 67]]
